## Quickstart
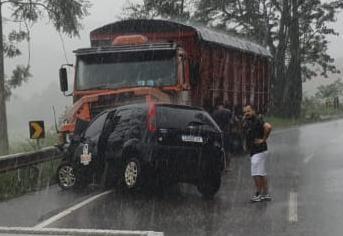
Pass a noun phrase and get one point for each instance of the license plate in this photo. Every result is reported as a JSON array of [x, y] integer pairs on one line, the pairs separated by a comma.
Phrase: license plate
[[191, 138], [85, 159]]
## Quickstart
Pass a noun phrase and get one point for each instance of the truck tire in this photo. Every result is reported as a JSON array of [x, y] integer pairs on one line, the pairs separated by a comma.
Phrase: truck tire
[[209, 185]]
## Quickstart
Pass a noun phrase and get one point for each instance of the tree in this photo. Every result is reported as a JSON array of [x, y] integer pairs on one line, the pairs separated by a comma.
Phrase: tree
[[155, 8], [294, 30], [332, 90], [65, 15]]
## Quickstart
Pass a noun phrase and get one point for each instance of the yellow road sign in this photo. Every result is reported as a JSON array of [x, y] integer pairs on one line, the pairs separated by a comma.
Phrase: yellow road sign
[[37, 129]]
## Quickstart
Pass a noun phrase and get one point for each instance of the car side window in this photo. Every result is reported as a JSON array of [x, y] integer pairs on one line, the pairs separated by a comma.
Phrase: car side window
[[130, 123], [96, 126]]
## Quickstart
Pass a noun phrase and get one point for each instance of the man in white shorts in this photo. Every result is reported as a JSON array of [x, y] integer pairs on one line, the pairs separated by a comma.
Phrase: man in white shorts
[[257, 133]]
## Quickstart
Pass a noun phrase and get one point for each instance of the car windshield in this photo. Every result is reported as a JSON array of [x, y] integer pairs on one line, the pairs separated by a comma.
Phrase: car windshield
[[118, 70]]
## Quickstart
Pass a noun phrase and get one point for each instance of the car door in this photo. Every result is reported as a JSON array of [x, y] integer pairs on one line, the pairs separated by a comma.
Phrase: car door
[[129, 125], [108, 128], [87, 150]]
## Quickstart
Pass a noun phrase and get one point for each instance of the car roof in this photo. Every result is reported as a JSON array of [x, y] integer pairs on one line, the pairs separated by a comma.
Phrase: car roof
[[180, 106], [144, 105]]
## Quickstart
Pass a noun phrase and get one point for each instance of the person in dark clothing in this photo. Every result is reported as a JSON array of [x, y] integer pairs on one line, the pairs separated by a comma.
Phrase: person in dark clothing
[[222, 116], [257, 132]]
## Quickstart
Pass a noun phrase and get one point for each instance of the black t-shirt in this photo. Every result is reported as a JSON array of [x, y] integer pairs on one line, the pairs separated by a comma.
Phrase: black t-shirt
[[222, 118], [254, 130]]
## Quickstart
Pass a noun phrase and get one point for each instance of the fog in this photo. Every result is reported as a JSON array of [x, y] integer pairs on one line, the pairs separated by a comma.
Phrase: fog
[[34, 100]]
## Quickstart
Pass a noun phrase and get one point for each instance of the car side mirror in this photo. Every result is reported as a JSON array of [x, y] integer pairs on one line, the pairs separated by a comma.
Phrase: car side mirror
[[63, 80]]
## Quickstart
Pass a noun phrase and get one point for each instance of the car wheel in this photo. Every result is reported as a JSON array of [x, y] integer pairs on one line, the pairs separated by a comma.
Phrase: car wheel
[[132, 174], [66, 177], [209, 185], [69, 178]]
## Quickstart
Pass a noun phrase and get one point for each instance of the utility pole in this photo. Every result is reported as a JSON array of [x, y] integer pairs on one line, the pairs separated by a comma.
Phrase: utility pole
[[3, 117]]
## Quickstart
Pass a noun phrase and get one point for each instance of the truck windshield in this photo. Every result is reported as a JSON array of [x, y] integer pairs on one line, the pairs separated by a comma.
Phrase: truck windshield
[[117, 70]]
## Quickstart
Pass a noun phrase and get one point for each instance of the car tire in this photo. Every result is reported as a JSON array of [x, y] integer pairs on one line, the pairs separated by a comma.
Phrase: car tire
[[208, 186], [132, 174], [69, 178]]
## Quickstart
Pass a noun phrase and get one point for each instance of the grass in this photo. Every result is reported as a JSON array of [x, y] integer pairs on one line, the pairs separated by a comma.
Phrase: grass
[[18, 182], [309, 116], [33, 178], [28, 145], [278, 122]]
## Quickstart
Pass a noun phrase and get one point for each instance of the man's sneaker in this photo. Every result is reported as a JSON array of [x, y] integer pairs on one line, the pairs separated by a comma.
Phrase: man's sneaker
[[266, 197], [256, 198]]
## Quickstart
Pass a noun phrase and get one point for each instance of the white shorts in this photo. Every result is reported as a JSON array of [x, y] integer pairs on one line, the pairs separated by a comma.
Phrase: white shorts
[[258, 164]]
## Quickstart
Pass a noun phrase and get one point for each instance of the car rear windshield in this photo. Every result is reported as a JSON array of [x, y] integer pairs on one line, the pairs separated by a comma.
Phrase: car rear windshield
[[179, 117]]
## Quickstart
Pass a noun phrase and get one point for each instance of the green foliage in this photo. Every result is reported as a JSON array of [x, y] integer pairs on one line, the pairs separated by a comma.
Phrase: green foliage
[[310, 104], [18, 36], [20, 74], [10, 45], [21, 181], [65, 15], [156, 8], [51, 138], [10, 50], [279, 122], [332, 90], [295, 31]]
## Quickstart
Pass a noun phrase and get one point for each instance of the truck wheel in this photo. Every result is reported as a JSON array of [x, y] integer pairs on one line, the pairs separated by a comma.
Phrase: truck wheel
[[133, 174], [69, 178], [208, 186]]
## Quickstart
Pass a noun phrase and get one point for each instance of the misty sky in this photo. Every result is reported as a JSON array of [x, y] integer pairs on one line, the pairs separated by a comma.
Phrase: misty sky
[[46, 47], [34, 100], [47, 52]]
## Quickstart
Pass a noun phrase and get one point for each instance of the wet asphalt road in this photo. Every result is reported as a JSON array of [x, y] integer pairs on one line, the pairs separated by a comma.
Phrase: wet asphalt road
[[306, 173]]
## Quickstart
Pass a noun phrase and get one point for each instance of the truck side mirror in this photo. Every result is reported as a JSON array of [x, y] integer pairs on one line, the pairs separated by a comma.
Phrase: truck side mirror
[[63, 80]]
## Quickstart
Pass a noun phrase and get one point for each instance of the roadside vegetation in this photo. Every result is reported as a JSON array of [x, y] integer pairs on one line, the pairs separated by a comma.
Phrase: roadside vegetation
[[23, 180], [326, 104], [18, 145]]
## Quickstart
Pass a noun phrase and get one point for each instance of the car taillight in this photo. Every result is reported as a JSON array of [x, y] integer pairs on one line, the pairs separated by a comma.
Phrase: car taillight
[[151, 121]]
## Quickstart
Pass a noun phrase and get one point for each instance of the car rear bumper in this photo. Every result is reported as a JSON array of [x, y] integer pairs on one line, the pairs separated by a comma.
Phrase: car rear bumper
[[185, 164]]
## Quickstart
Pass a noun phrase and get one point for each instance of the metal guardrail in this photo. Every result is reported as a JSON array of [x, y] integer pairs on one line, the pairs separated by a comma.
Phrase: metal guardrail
[[20, 160]]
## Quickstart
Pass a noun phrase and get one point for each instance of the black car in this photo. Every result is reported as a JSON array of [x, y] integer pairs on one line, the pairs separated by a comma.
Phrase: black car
[[144, 143]]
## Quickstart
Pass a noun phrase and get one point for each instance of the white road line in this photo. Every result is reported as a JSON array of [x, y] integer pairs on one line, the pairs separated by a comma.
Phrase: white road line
[[80, 232], [69, 210], [308, 158], [293, 207]]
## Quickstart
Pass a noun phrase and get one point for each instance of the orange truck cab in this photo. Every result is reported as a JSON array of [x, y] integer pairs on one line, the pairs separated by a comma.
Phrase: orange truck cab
[[142, 60]]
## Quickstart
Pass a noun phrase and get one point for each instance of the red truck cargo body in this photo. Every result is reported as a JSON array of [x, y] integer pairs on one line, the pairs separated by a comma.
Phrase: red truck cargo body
[[228, 70]]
